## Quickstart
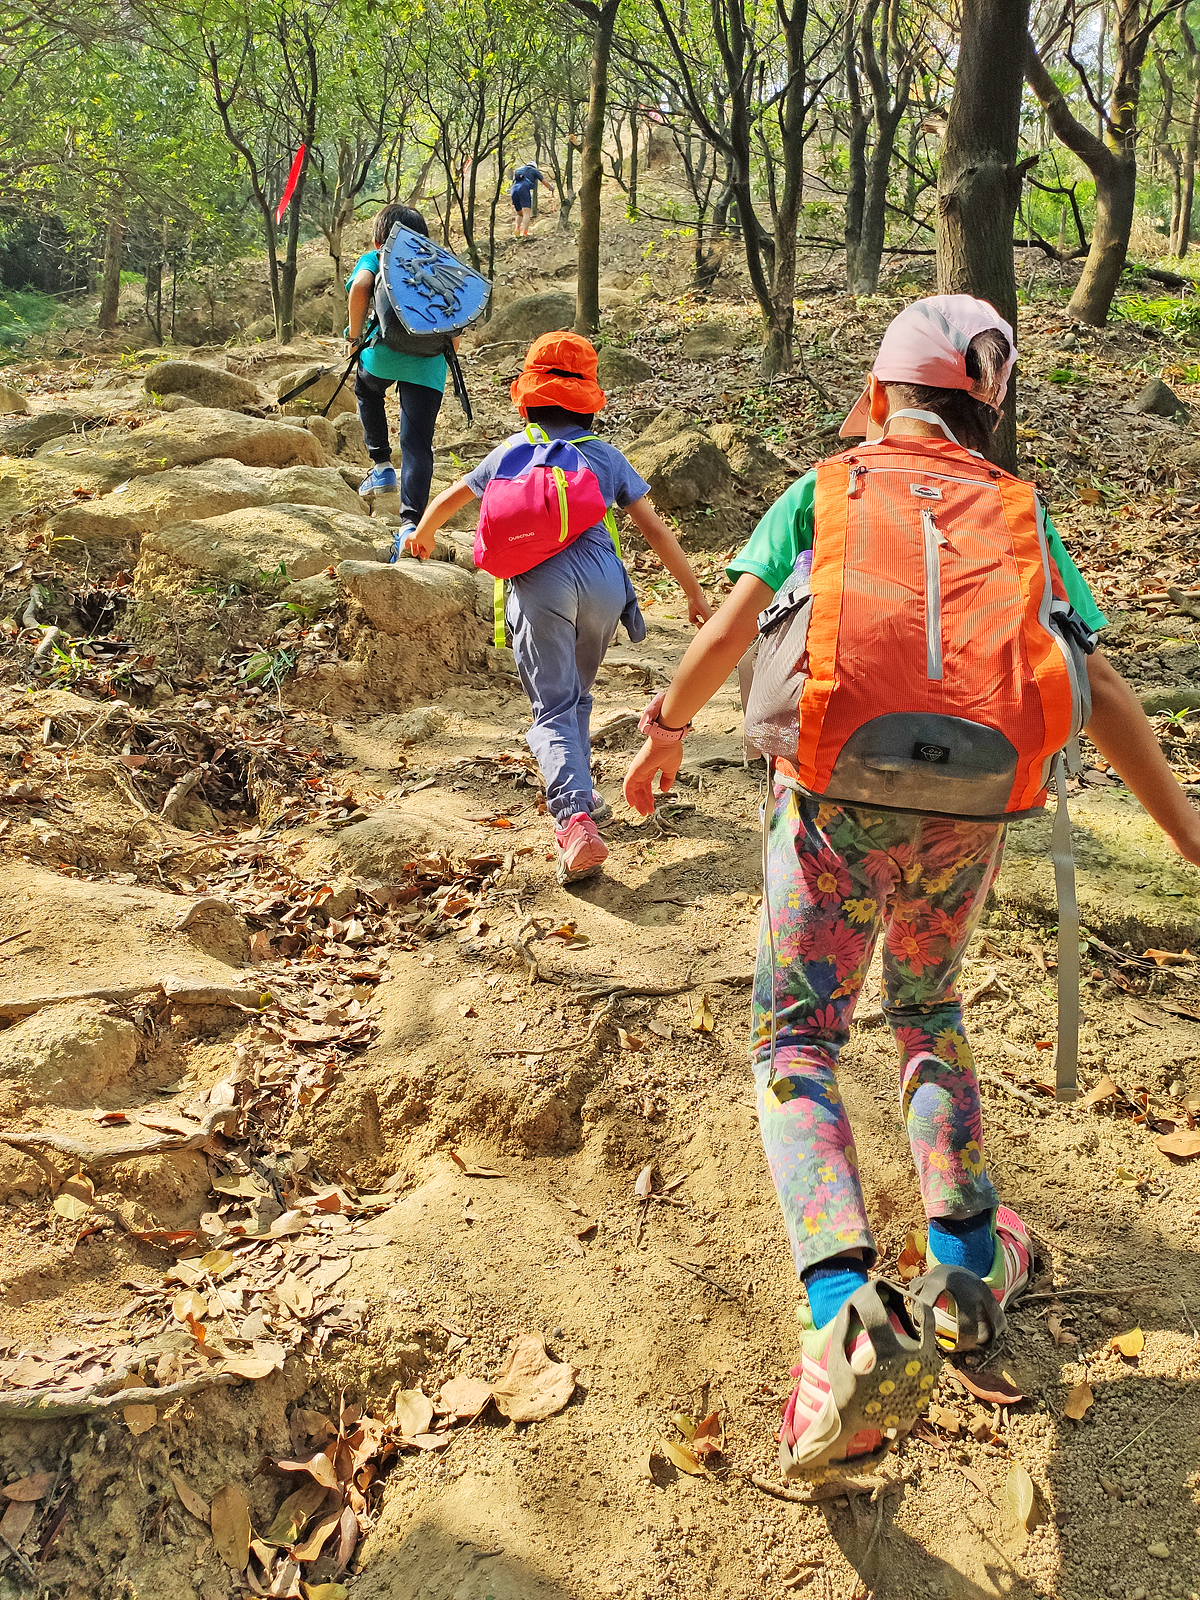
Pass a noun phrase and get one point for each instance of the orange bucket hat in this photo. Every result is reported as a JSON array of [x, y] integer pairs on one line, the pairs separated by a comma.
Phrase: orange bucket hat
[[559, 370]]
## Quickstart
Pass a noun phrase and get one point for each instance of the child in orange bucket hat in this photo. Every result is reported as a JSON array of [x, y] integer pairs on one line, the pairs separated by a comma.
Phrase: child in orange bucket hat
[[563, 613]]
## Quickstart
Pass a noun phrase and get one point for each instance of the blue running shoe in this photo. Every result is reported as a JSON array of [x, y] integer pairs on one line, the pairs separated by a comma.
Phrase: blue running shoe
[[398, 538], [381, 481]]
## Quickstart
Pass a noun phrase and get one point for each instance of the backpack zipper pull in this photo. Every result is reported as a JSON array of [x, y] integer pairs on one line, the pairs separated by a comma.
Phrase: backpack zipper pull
[[932, 531], [855, 474]]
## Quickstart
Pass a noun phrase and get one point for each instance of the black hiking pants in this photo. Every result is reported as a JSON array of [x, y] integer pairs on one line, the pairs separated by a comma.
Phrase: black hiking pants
[[419, 407]]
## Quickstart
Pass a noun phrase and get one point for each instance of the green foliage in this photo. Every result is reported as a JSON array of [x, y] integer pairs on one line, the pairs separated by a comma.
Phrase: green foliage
[[24, 312], [1180, 319]]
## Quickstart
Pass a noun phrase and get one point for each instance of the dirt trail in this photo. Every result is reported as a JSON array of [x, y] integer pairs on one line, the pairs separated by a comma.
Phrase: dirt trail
[[301, 986]]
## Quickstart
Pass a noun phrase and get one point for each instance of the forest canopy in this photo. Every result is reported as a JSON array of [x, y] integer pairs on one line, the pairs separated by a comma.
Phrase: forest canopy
[[155, 139]]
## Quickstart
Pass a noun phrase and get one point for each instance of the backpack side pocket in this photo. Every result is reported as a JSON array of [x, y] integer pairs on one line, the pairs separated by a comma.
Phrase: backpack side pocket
[[1076, 641], [780, 670]]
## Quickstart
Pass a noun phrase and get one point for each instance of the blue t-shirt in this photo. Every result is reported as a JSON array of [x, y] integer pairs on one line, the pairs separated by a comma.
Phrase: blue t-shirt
[[619, 483], [380, 362]]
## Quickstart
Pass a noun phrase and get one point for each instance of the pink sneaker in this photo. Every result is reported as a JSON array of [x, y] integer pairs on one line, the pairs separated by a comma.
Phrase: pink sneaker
[[865, 1378], [579, 850]]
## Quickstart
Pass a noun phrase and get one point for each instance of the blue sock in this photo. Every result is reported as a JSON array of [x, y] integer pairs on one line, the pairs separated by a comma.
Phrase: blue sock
[[965, 1242], [830, 1284]]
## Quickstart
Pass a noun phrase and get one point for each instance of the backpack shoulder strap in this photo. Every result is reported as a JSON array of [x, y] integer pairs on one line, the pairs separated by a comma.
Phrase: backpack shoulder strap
[[610, 519]]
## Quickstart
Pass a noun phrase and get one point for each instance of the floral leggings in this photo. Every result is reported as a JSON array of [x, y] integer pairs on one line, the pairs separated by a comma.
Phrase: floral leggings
[[838, 876]]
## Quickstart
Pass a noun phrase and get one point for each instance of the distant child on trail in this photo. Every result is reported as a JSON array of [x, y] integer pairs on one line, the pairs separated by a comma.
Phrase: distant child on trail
[[928, 639], [563, 612], [420, 382], [525, 180]]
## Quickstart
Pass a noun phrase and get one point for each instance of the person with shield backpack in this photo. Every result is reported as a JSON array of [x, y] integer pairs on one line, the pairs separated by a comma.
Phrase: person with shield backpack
[[926, 650], [420, 383]]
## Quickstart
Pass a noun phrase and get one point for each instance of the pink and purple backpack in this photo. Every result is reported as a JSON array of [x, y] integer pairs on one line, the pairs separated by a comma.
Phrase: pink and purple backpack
[[544, 495]]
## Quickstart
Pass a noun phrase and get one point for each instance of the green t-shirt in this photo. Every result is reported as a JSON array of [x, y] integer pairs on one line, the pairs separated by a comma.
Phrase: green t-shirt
[[380, 362], [787, 529]]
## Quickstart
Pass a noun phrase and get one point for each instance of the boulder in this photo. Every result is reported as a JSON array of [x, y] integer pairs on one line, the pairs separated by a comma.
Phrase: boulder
[[12, 401], [314, 400], [205, 385], [709, 340], [243, 546], [321, 428], [193, 493], [667, 424], [618, 369], [1158, 399], [1156, 700], [684, 471], [755, 465], [314, 277], [411, 597], [1185, 460], [23, 438], [20, 1175], [314, 594], [69, 1054], [528, 317], [351, 441], [176, 402], [185, 438], [322, 316]]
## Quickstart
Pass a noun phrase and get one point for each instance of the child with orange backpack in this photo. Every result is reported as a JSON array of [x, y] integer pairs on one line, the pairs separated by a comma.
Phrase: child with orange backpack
[[926, 650], [547, 526]]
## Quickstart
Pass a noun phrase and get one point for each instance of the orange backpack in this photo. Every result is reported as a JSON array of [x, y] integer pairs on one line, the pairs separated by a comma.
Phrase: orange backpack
[[928, 659]]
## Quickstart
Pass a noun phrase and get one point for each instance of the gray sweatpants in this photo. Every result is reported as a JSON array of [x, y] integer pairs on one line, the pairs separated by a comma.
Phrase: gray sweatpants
[[562, 616]]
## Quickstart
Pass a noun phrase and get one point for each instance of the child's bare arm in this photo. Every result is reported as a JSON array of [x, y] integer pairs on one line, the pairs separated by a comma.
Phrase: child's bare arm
[[669, 551], [361, 292], [1122, 733], [707, 662], [438, 511]]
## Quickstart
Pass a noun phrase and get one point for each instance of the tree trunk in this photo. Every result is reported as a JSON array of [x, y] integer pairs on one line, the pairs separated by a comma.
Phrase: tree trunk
[[856, 159], [1181, 233], [1105, 262], [979, 181], [633, 165], [587, 299], [110, 283]]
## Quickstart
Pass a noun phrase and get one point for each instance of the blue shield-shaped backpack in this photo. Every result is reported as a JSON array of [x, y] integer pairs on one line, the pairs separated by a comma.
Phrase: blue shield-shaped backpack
[[424, 295]]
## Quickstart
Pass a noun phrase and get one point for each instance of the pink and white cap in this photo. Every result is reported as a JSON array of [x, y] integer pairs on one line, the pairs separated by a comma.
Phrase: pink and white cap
[[926, 343]]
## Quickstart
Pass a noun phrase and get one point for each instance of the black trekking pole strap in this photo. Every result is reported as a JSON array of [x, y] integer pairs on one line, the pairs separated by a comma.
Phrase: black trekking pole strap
[[460, 383], [353, 362]]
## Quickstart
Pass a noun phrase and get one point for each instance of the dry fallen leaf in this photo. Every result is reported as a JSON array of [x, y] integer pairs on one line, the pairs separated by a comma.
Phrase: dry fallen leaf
[[319, 1534], [189, 1305], [216, 1262], [708, 1438], [680, 1457], [74, 1200], [324, 1591], [1183, 1145], [414, 1412], [15, 1522], [294, 1514], [318, 1466], [189, 1499], [475, 1172], [248, 1366], [295, 1294], [1079, 1402], [1106, 1089], [911, 1261], [140, 1419], [31, 1488], [997, 1388], [644, 1186], [463, 1397], [229, 1518], [532, 1387], [1129, 1344], [628, 1041], [1058, 1333], [703, 1020], [945, 1418], [1020, 1497], [1169, 958]]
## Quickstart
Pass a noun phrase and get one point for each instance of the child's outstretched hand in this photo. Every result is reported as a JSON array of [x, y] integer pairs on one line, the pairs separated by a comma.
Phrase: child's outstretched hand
[[663, 758], [419, 544], [699, 609]]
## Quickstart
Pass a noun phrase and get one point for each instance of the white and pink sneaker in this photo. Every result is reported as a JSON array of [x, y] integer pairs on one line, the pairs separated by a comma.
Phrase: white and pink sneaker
[[579, 850]]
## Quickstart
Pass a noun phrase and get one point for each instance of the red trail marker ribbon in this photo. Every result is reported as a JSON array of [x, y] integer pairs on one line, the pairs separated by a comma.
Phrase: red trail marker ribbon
[[289, 188]]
